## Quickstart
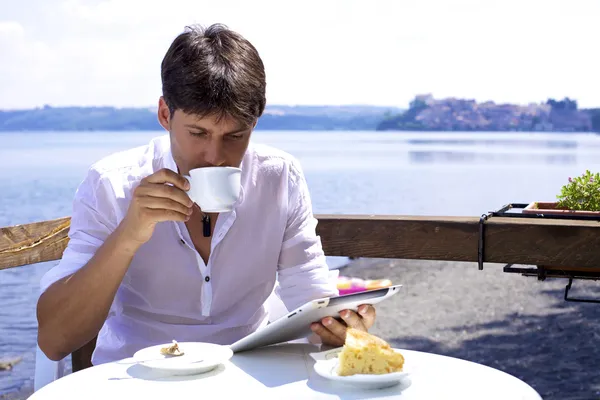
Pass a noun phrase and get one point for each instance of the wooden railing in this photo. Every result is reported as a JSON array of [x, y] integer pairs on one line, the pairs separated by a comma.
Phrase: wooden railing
[[574, 244]]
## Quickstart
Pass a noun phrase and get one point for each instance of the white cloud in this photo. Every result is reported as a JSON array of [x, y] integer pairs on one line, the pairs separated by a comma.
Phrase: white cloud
[[27, 65], [10, 29], [334, 52]]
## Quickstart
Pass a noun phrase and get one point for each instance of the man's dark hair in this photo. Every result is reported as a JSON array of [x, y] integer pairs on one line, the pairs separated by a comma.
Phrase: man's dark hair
[[214, 71]]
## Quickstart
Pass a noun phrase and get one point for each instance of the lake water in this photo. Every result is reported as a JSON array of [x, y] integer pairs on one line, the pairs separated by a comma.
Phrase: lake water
[[348, 172]]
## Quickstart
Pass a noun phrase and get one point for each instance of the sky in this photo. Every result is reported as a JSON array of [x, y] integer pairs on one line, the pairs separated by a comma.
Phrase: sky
[[378, 52]]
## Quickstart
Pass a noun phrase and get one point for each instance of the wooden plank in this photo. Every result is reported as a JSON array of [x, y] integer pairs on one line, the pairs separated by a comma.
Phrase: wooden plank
[[394, 236], [565, 243], [33, 243], [556, 242]]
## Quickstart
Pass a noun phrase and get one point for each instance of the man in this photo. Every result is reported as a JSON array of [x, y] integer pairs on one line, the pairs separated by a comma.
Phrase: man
[[138, 270]]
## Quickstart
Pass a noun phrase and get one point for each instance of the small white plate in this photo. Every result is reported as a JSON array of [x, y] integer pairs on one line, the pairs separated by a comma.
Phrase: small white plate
[[326, 364], [197, 358]]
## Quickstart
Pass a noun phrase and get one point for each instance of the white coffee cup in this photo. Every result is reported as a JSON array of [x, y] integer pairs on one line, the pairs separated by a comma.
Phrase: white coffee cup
[[215, 189]]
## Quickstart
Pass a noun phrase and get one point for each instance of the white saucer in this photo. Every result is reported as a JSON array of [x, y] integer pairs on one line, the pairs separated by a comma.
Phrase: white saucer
[[326, 364], [197, 358]]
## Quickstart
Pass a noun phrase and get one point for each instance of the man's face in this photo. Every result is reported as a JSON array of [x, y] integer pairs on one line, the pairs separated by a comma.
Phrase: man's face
[[204, 142]]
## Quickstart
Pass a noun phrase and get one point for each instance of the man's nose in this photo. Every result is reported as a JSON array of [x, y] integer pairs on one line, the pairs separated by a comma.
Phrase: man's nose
[[215, 154]]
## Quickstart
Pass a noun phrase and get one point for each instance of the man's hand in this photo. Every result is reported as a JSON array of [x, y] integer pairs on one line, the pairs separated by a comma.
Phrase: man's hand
[[333, 332], [159, 197]]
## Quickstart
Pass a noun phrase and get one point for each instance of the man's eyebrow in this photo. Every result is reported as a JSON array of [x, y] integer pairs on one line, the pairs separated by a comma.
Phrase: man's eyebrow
[[238, 130], [194, 126]]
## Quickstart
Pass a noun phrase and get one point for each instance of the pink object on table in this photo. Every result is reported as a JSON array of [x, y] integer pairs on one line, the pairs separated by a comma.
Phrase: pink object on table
[[349, 285]]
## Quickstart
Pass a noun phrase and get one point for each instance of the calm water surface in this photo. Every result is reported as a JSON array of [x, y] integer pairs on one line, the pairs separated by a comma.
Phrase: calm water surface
[[347, 172]]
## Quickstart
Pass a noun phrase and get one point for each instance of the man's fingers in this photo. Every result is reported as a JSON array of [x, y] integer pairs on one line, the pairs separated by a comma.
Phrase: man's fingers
[[162, 203], [164, 191], [327, 337], [166, 175], [353, 320], [333, 332], [335, 327], [367, 312]]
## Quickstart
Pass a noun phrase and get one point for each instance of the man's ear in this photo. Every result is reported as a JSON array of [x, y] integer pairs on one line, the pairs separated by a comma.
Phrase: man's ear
[[164, 114]]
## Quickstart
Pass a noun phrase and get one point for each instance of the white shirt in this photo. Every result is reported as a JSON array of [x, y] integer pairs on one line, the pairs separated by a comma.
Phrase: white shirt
[[168, 292]]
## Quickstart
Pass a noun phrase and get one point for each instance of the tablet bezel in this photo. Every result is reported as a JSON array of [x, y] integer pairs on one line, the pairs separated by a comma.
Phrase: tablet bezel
[[296, 324]]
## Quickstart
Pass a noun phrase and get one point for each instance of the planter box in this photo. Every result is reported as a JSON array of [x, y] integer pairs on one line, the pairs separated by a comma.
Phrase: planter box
[[550, 208]]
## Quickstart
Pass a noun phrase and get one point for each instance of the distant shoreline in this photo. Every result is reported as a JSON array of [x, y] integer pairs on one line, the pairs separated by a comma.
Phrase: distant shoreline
[[316, 131], [424, 114], [160, 130], [324, 118]]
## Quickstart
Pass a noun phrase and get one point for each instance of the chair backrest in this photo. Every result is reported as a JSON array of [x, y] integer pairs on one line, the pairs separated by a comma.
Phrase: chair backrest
[[82, 357]]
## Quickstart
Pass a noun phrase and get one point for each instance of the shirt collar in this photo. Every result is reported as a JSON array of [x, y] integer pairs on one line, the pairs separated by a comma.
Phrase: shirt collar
[[168, 161]]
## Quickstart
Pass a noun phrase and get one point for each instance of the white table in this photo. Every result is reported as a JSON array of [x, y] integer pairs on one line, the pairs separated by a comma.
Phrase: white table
[[286, 372]]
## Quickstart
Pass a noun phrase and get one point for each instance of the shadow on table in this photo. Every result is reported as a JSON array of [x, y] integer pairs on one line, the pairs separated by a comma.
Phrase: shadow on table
[[289, 370], [139, 371], [558, 354], [347, 392]]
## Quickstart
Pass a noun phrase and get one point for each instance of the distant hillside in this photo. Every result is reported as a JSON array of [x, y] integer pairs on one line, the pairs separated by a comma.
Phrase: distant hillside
[[428, 114], [113, 119], [424, 114]]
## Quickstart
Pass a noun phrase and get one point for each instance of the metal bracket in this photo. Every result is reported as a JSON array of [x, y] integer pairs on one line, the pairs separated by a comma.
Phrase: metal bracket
[[539, 272], [567, 298], [480, 244]]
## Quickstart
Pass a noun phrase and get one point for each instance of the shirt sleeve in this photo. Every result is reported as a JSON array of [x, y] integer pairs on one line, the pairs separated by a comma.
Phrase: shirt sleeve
[[303, 273], [93, 219]]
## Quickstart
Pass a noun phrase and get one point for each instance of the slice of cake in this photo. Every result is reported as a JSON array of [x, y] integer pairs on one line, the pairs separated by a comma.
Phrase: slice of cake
[[364, 353]]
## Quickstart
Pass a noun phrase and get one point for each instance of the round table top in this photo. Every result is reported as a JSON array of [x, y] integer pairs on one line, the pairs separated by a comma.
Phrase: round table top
[[286, 372]]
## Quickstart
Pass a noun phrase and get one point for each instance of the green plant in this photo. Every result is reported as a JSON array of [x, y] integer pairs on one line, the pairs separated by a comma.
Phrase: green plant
[[581, 193]]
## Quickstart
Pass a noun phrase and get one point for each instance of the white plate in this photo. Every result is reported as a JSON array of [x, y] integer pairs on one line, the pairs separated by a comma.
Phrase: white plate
[[197, 358], [326, 366]]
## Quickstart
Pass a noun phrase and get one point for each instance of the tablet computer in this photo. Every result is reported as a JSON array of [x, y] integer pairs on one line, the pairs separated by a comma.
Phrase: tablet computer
[[296, 324]]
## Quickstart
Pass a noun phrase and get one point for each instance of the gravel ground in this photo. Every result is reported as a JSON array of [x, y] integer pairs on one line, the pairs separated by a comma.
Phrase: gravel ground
[[507, 321], [513, 323]]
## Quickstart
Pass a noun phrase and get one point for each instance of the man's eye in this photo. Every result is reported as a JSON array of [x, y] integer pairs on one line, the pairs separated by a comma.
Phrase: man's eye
[[235, 137], [198, 133]]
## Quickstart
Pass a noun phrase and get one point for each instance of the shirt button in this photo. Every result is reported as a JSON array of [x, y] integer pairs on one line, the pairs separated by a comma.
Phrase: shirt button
[[207, 278]]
